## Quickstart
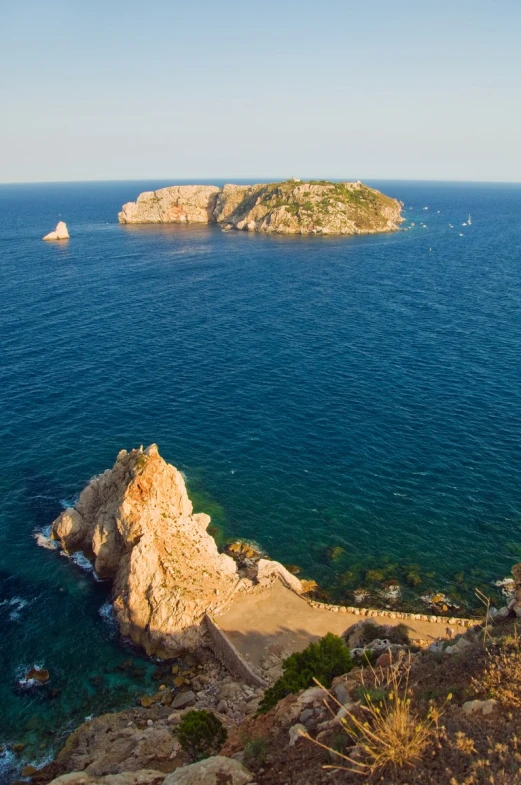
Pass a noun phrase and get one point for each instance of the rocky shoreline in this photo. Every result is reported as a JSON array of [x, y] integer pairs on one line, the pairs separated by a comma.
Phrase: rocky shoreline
[[169, 582], [290, 207]]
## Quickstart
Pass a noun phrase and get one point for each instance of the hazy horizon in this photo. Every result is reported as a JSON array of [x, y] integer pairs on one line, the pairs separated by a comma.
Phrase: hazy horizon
[[102, 93], [253, 180]]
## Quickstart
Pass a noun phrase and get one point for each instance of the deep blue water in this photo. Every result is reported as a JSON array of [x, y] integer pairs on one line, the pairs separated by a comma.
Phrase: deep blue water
[[316, 392]]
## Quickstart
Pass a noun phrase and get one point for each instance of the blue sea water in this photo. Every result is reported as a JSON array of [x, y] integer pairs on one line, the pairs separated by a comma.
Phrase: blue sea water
[[361, 393]]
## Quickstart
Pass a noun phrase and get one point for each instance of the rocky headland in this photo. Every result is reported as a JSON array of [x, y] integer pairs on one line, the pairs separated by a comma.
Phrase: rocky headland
[[136, 524], [290, 207]]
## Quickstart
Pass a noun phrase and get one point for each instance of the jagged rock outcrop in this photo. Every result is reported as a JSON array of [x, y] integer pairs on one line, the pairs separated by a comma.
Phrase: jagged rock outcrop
[[212, 771], [291, 207], [176, 204], [136, 524], [142, 777], [217, 770], [60, 233]]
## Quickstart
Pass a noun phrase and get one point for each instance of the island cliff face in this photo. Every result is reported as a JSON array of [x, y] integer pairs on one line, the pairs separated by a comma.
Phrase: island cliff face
[[292, 207], [136, 524]]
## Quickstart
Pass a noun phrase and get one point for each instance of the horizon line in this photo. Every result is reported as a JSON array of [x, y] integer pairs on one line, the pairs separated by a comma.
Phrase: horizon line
[[253, 180]]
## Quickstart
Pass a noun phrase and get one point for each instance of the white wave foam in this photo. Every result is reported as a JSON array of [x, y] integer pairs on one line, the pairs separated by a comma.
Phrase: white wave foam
[[43, 538], [8, 762], [16, 604], [106, 612], [66, 503], [81, 561]]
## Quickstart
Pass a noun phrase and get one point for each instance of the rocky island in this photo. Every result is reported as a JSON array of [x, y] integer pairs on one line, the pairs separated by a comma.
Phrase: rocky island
[[317, 207]]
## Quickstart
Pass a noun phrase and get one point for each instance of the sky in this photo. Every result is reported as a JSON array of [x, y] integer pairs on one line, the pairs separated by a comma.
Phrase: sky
[[110, 90]]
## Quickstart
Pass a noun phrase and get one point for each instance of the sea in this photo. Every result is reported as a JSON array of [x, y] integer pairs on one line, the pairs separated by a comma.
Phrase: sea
[[351, 405]]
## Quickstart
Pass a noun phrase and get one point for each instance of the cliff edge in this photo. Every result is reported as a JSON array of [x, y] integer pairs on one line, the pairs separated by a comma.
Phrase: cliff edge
[[136, 524], [290, 207]]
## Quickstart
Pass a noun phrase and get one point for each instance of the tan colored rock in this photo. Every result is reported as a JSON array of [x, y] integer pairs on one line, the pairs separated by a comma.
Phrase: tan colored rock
[[268, 570], [136, 523], [112, 743], [60, 233], [175, 204], [142, 777], [291, 207], [483, 707], [212, 771]]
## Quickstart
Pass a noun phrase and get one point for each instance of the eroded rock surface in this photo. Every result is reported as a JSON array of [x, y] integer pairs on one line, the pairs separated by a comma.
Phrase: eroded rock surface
[[142, 777], [136, 523], [212, 771], [175, 204], [291, 207]]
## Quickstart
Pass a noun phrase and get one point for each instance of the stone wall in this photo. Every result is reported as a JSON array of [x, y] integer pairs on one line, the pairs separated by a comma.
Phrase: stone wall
[[230, 657]]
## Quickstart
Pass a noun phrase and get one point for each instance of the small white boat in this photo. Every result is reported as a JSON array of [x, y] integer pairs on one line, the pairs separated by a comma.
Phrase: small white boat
[[463, 224], [469, 221], [451, 226], [461, 234]]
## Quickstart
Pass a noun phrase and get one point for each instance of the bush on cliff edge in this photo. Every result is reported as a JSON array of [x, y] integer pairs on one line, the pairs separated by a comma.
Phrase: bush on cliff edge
[[324, 660], [201, 734]]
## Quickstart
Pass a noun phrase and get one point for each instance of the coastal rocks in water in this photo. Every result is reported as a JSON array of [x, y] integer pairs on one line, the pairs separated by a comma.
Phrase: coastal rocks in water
[[175, 204], [290, 207], [440, 603], [212, 771], [38, 674], [136, 524], [60, 233]]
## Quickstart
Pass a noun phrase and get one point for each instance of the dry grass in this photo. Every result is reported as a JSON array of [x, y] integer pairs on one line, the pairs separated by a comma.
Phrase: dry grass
[[388, 735], [501, 678]]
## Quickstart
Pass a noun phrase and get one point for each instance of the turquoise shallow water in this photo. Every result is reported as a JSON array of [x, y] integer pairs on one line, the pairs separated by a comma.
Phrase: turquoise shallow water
[[316, 392]]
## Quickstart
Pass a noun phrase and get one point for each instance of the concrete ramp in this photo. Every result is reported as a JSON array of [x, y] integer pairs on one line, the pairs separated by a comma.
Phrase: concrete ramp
[[273, 622]]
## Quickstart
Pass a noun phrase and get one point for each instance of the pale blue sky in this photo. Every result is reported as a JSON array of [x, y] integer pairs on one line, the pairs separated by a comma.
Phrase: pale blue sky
[[103, 89]]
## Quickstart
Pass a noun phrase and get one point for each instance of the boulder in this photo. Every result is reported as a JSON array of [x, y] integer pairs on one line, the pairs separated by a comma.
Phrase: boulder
[[60, 233], [483, 707], [113, 743], [212, 771], [38, 674], [141, 777], [183, 700], [296, 732]]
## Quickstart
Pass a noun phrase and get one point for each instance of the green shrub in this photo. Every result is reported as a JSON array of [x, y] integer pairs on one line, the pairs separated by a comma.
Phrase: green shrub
[[201, 734], [255, 751], [324, 660]]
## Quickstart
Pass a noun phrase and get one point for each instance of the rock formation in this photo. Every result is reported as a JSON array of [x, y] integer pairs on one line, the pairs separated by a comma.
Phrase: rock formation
[[136, 524], [176, 204], [60, 233], [291, 207]]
